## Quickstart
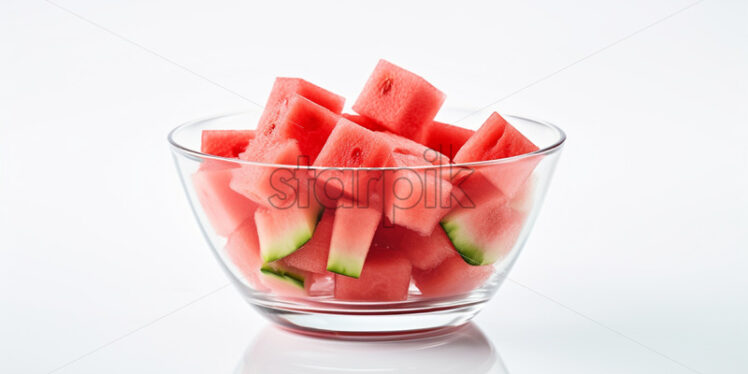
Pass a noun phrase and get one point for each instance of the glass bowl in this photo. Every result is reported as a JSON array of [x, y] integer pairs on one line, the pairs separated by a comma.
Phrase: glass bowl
[[507, 192]]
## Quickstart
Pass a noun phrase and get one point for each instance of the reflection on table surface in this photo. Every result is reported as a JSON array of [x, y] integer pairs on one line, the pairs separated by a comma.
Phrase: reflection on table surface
[[465, 350]]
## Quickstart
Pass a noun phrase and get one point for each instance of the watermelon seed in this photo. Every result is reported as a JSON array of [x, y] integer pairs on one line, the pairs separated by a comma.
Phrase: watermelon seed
[[356, 155], [385, 86]]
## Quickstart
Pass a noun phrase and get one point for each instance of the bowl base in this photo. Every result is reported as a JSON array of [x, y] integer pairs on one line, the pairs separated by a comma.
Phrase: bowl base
[[371, 326]]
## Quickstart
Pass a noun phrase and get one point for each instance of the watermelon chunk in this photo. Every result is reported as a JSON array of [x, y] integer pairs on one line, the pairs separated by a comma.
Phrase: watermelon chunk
[[385, 277], [225, 143], [451, 277], [285, 88], [496, 139], [284, 280], [348, 146], [446, 138], [305, 121], [320, 284], [399, 100], [352, 234], [485, 233], [283, 231], [243, 250], [363, 121], [224, 208], [267, 185], [312, 256], [416, 198], [423, 252]]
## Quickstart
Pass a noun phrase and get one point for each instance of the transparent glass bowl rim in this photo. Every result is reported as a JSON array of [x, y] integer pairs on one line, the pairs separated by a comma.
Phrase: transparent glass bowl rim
[[554, 147]]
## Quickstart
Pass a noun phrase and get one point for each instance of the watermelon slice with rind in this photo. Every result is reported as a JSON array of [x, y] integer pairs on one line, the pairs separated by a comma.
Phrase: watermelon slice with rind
[[283, 231], [352, 233], [485, 233], [312, 256]]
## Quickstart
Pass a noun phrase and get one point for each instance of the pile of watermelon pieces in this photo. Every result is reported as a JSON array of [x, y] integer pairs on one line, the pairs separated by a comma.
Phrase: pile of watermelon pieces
[[303, 219]]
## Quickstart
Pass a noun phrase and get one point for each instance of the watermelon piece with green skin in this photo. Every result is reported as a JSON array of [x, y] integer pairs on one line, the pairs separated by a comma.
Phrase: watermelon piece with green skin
[[446, 138], [312, 256], [304, 121], [285, 88], [423, 252], [385, 277], [452, 277], [399, 100], [283, 231], [225, 143], [224, 208], [497, 139], [352, 146], [284, 280], [267, 185], [486, 233], [352, 233], [243, 250], [416, 198]]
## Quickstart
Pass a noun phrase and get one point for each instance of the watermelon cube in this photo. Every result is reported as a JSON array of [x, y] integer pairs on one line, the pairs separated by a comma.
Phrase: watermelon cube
[[305, 121], [312, 256], [416, 198], [497, 139], [451, 277], [352, 234], [399, 100], [352, 146], [243, 250], [485, 233], [423, 252], [267, 185], [320, 284], [225, 143], [446, 138], [285, 88], [224, 208], [385, 277]]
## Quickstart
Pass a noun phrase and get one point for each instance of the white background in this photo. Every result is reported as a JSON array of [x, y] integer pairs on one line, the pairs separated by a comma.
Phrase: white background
[[638, 262]]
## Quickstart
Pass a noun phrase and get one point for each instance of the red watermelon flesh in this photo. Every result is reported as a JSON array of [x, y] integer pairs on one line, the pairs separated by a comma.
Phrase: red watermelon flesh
[[224, 208], [486, 233], [399, 100], [305, 121], [417, 199], [405, 146], [446, 138], [312, 256], [225, 143], [363, 121], [243, 250], [352, 234], [423, 252], [497, 139], [349, 146], [267, 185], [285, 88], [451, 277], [385, 277]]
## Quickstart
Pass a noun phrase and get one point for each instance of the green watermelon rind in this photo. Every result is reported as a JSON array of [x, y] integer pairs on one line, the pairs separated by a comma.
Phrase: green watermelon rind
[[285, 246], [345, 265], [471, 252], [286, 276]]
